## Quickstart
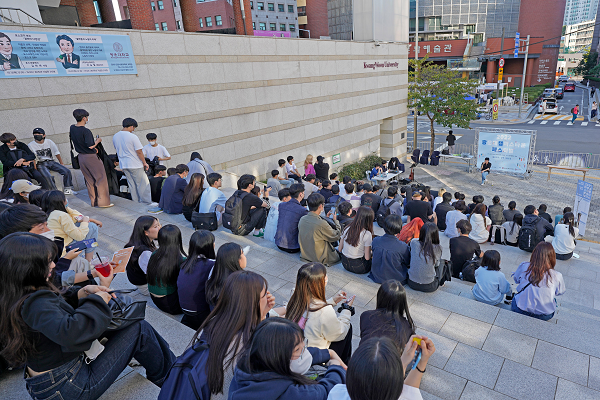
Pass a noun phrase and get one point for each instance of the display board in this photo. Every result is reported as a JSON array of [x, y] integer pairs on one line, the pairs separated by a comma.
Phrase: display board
[[26, 54], [510, 150], [583, 198]]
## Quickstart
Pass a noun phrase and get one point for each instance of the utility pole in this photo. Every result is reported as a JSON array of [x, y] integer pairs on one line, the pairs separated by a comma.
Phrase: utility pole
[[416, 69], [524, 74], [501, 57]]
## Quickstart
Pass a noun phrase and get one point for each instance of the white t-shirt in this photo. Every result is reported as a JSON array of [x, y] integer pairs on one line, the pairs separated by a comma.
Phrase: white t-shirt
[[340, 392], [563, 242], [366, 239], [126, 144], [44, 151], [159, 151], [282, 172], [290, 167], [480, 234]]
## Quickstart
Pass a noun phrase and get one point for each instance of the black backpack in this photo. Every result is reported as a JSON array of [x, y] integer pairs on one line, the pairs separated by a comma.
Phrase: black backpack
[[528, 236], [232, 217], [383, 212], [187, 378], [469, 267]]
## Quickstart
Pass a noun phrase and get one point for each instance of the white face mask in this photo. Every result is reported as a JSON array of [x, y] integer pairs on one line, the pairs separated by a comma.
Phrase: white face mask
[[302, 364], [48, 235], [152, 143]]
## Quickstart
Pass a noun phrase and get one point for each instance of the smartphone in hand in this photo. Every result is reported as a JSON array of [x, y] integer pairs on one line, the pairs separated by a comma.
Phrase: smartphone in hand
[[349, 299]]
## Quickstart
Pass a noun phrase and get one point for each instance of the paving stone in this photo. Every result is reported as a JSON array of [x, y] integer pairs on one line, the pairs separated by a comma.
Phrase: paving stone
[[176, 334], [465, 330], [594, 373], [363, 294], [561, 362], [133, 387], [476, 365], [474, 391], [521, 382], [567, 390], [583, 274], [511, 345], [442, 384], [12, 385], [428, 317], [427, 396], [443, 348]]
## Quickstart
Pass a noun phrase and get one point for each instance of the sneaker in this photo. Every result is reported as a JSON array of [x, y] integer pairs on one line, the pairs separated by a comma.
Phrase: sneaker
[[259, 235], [153, 204], [69, 191], [155, 210], [110, 205], [482, 183]]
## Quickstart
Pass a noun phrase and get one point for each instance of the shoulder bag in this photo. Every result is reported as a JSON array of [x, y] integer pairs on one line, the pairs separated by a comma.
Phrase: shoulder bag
[[125, 310], [207, 221], [74, 158]]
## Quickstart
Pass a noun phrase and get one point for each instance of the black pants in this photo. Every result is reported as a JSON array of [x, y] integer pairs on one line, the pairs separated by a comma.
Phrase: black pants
[[168, 303], [258, 220], [343, 348], [564, 256], [440, 273], [296, 177], [356, 265], [193, 319], [291, 251]]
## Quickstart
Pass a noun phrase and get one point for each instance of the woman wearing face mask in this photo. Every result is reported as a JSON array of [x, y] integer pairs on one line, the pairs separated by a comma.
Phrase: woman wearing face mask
[[69, 224], [309, 308], [230, 258], [145, 232], [274, 362]]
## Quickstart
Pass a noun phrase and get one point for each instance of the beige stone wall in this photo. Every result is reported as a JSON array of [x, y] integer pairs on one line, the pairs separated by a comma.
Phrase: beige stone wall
[[242, 102]]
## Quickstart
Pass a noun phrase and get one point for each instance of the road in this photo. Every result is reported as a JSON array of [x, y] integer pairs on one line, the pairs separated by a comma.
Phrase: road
[[553, 133]]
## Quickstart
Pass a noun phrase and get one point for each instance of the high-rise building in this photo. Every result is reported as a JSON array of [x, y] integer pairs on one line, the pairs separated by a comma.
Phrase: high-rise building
[[578, 37], [577, 11], [275, 18]]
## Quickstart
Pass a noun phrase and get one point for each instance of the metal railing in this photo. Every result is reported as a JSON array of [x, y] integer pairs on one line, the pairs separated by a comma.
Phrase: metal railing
[[17, 16]]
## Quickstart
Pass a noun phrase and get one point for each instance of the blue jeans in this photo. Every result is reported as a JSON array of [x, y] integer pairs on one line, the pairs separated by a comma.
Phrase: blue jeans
[[78, 380], [574, 118], [543, 317], [297, 178], [285, 183], [92, 234], [483, 176], [44, 167]]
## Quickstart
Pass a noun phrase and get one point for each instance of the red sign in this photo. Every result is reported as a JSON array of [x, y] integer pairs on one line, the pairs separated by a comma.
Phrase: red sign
[[439, 48], [501, 62]]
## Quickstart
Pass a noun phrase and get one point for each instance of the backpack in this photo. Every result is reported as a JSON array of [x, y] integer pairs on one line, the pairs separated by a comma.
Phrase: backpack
[[528, 236], [187, 377], [572, 110], [232, 217], [383, 212], [469, 267]]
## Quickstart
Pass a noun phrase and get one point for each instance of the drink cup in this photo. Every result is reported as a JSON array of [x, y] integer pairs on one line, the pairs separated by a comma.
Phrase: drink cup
[[104, 269]]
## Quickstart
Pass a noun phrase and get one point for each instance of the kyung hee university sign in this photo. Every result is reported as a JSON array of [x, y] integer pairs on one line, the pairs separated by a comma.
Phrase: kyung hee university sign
[[384, 64]]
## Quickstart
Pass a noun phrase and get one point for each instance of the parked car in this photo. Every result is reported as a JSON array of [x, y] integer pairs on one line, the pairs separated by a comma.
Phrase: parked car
[[549, 93], [570, 86], [551, 107], [563, 78], [560, 93]]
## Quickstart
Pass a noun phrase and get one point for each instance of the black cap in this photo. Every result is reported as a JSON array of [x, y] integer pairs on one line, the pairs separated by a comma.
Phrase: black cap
[[39, 130]]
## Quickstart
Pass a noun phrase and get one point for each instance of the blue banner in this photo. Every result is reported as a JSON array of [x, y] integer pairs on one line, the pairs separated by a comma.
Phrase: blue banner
[[508, 152], [40, 54], [583, 198], [575, 160]]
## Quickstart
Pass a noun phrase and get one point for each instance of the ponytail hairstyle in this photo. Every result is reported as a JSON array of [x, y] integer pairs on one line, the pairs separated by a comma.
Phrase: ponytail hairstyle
[[569, 219]]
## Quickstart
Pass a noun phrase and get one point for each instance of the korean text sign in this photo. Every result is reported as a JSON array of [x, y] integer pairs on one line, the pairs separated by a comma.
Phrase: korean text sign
[[41, 54], [583, 198], [508, 152]]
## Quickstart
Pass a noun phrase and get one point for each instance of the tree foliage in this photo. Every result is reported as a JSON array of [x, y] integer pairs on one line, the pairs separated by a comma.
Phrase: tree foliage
[[440, 94], [586, 64]]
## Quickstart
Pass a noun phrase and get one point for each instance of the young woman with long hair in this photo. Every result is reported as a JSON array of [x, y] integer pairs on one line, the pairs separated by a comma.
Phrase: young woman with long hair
[[355, 243], [49, 332], [191, 195], [191, 283], [230, 258], [273, 364], [322, 169], [564, 237], [512, 230], [491, 284], [163, 269], [391, 317], [480, 223], [68, 224], [539, 284], [308, 165], [143, 236], [309, 308], [426, 272]]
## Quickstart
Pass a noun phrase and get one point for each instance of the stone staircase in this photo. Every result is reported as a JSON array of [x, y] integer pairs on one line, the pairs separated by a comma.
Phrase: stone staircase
[[482, 351]]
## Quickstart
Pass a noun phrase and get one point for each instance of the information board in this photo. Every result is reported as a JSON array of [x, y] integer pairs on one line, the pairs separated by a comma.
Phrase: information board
[[583, 197], [508, 151], [26, 54]]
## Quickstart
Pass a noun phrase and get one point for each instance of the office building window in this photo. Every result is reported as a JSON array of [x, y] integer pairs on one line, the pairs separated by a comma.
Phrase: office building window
[[273, 26], [254, 26], [218, 20], [252, 5], [174, 3], [262, 26], [282, 27], [178, 24], [208, 21], [126, 12], [280, 8], [271, 6], [98, 15], [290, 8], [157, 27], [164, 26], [201, 22], [161, 6], [292, 28], [260, 5], [151, 5]]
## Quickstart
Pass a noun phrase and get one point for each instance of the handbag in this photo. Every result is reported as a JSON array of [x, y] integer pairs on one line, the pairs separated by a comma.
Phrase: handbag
[[125, 310], [74, 158], [207, 221]]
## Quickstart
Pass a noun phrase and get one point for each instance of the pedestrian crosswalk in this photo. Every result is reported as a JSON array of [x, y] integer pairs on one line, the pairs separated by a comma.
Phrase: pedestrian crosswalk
[[555, 117], [558, 120]]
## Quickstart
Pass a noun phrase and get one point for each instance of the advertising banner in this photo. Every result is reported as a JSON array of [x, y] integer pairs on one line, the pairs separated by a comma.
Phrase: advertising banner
[[26, 54], [574, 160], [508, 152], [583, 197]]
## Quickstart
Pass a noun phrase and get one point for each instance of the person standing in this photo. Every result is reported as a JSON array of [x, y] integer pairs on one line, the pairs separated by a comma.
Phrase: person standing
[[575, 111], [133, 163], [153, 149], [451, 139], [544, 106], [45, 151], [321, 169], [486, 166], [594, 109], [89, 162]]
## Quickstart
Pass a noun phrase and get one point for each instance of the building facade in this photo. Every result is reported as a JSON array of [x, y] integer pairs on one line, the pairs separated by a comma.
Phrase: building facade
[[278, 18], [313, 19], [166, 13], [577, 11], [578, 37], [340, 16]]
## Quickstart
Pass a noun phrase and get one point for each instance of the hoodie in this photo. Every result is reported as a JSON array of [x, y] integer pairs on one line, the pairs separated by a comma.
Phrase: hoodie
[[272, 386]]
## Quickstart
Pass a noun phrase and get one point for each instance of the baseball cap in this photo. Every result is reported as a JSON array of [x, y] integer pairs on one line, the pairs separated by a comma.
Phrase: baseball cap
[[40, 131], [23, 185]]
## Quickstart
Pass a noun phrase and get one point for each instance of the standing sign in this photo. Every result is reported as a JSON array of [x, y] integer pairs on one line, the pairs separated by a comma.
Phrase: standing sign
[[517, 38], [501, 69], [508, 149], [495, 110], [41, 54], [583, 197]]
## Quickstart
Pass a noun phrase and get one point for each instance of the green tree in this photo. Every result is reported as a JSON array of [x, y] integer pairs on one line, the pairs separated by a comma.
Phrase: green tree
[[586, 64], [440, 94]]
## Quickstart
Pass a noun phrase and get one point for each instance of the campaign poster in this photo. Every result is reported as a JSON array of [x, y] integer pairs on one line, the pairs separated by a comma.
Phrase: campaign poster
[[40, 54], [583, 198], [508, 152]]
